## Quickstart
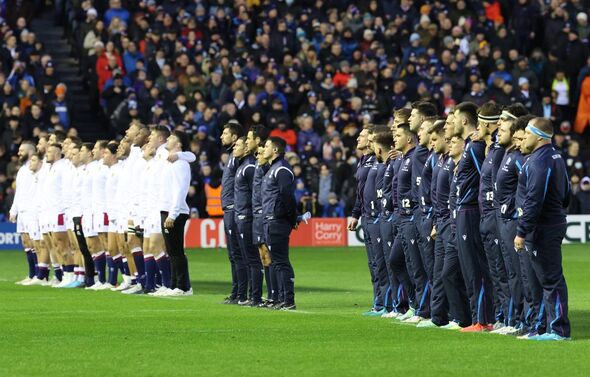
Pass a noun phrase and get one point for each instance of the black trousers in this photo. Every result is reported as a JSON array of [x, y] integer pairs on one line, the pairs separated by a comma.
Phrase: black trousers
[[239, 268], [365, 221], [512, 261], [452, 276], [174, 240], [378, 263], [88, 262], [488, 228], [252, 257], [403, 287], [409, 236], [546, 261], [439, 307], [277, 232], [475, 266]]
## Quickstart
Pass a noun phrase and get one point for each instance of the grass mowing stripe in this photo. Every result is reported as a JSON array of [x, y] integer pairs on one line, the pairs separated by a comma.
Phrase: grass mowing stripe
[[73, 332]]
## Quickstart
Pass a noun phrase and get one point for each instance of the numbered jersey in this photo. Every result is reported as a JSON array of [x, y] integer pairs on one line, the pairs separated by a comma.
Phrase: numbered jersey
[[405, 179], [489, 171]]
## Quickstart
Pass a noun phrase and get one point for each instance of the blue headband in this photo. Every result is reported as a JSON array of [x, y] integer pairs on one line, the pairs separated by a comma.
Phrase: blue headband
[[538, 132]]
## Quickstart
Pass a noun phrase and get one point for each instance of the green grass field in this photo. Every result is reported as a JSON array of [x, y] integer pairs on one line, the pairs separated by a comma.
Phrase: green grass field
[[45, 331]]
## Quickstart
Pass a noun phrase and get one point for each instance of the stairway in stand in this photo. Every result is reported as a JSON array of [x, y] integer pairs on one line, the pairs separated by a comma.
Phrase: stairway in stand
[[90, 125]]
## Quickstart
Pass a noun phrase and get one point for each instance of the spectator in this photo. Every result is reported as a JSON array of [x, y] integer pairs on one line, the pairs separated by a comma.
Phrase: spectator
[[581, 200], [334, 208]]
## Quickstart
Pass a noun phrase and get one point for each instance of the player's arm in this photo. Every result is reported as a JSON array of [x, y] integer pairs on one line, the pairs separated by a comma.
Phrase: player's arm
[[183, 156], [17, 198], [286, 183], [477, 153]]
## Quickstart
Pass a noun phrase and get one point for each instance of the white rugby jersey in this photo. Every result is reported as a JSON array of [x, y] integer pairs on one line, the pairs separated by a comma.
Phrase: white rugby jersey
[[54, 187], [86, 189], [40, 192], [141, 199], [77, 188], [172, 197], [111, 185], [23, 197], [99, 179], [68, 187]]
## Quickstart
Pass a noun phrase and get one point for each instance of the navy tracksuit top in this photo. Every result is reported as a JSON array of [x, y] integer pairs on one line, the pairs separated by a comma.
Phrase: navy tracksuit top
[[405, 197], [489, 170], [227, 182], [547, 190], [468, 173], [278, 192], [259, 172], [507, 183], [362, 171], [243, 187]]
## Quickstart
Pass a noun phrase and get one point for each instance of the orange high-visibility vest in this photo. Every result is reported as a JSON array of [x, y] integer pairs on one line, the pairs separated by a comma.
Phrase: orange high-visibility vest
[[213, 200]]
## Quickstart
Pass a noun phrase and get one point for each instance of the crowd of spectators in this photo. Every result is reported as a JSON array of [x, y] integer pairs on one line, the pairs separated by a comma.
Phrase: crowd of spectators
[[316, 71]]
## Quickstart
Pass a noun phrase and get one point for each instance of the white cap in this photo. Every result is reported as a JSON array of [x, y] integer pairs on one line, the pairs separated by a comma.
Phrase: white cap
[[91, 12], [582, 16], [522, 81]]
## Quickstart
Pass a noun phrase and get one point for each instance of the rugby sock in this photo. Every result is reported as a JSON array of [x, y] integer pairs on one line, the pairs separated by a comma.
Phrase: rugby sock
[[151, 269], [113, 272], [158, 276], [164, 266], [43, 273], [100, 266], [268, 282], [140, 264], [31, 261], [69, 268], [59, 273], [126, 267], [36, 261]]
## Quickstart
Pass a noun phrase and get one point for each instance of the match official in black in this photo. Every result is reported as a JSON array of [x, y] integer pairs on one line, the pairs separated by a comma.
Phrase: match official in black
[[279, 209], [543, 217]]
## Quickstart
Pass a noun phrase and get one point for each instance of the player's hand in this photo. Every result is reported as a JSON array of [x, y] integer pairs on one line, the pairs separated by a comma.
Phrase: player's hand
[[12, 218], [474, 136], [518, 244], [433, 233], [352, 225], [172, 157], [168, 223], [392, 154]]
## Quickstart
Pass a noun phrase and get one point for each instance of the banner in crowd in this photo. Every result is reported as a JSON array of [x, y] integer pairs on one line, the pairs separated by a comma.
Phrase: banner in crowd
[[331, 232]]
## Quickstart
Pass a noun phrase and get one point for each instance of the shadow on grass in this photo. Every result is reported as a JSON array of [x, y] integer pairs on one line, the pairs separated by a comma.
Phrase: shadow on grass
[[223, 288]]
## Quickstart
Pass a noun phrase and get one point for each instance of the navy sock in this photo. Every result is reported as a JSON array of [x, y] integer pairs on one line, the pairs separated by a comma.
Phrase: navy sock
[[100, 267], [43, 272], [113, 271], [125, 267], [31, 262], [69, 268], [151, 271], [164, 267], [140, 265], [36, 261], [59, 274]]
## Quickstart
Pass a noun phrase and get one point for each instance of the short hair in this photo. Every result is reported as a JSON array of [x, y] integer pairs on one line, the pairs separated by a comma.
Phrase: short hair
[[380, 129], [234, 128], [162, 131], [489, 108], [370, 127], [521, 123], [60, 136], [39, 155], [403, 113], [406, 128], [102, 144], [76, 144], [75, 139], [29, 144], [88, 146], [278, 143], [425, 108], [544, 125], [469, 110], [55, 145], [183, 138], [517, 109], [384, 139], [259, 131], [112, 147], [437, 127]]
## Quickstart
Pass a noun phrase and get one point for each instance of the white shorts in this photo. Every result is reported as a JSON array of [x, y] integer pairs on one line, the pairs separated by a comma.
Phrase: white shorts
[[152, 224], [69, 222], [57, 222], [88, 225], [112, 228], [100, 222], [122, 225], [44, 223], [21, 223], [32, 229]]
